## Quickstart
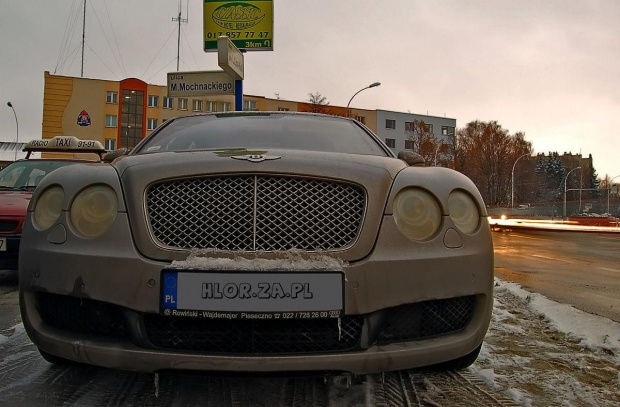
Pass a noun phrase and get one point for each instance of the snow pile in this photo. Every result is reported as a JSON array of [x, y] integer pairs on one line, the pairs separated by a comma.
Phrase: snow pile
[[591, 330], [290, 260]]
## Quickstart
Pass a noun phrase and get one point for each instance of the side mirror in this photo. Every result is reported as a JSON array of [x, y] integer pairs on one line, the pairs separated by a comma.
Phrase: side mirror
[[114, 154], [411, 158]]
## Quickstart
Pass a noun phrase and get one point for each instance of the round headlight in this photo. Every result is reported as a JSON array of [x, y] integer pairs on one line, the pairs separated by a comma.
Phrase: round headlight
[[463, 211], [417, 213], [93, 210], [48, 207]]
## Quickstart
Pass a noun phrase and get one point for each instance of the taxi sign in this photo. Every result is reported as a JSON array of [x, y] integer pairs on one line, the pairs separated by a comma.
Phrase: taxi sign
[[67, 144]]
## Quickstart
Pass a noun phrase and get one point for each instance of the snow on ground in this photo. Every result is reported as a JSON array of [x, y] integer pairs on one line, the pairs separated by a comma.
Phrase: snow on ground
[[539, 352]]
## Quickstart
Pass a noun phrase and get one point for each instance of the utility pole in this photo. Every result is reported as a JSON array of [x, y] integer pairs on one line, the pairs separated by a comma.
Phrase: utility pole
[[180, 20], [83, 38]]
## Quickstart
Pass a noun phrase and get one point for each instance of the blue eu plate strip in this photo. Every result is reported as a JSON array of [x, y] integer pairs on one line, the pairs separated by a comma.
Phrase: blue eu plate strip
[[170, 290]]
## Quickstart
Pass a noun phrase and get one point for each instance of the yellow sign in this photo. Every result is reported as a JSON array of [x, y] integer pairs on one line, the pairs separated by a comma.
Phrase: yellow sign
[[248, 24]]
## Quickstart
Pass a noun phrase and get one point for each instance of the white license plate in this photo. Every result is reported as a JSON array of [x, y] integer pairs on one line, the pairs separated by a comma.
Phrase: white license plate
[[2, 244], [242, 295]]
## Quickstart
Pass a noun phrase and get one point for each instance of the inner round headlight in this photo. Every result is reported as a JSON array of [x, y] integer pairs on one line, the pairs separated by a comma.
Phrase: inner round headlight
[[48, 207], [93, 210], [417, 213], [463, 211]]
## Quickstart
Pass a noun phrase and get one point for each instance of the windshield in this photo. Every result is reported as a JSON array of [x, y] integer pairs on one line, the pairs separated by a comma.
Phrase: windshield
[[23, 175], [281, 131]]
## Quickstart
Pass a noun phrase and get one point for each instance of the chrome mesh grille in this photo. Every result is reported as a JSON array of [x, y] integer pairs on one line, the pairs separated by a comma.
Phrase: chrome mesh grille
[[255, 213]]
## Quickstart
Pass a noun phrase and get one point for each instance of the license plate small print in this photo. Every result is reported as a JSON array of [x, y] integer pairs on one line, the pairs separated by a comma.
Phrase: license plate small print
[[2, 244], [241, 295]]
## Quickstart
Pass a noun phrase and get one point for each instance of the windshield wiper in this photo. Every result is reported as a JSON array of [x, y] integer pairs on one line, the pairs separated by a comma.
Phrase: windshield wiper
[[25, 188]]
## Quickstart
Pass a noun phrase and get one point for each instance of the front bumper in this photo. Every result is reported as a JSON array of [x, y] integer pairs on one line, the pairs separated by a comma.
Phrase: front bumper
[[117, 276]]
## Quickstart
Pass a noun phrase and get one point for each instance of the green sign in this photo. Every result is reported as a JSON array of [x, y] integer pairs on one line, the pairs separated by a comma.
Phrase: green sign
[[248, 24]]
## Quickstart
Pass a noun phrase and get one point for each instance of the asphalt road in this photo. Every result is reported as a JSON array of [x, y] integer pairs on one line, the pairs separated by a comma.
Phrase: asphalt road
[[582, 269], [512, 370]]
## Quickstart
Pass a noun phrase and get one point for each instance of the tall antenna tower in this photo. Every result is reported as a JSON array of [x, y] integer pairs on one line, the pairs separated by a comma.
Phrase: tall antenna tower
[[83, 38], [180, 20]]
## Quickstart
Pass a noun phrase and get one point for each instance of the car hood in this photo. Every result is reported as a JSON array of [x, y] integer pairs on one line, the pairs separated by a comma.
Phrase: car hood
[[374, 174], [14, 203]]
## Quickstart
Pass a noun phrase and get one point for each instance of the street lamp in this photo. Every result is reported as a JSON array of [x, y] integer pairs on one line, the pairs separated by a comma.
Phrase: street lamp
[[437, 150], [372, 85], [611, 183], [9, 104], [512, 177], [578, 168]]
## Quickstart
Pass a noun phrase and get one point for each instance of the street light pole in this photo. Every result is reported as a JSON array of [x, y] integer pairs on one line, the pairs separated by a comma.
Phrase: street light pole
[[9, 104], [611, 183], [512, 177], [565, 179], [372, 85]]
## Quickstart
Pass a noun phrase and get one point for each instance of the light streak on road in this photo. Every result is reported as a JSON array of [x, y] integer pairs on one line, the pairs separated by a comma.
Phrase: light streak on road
[[547, 224]]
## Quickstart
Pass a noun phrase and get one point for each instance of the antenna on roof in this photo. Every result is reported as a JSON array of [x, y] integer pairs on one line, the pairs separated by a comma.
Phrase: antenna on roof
[[180, 20], [83, 38]]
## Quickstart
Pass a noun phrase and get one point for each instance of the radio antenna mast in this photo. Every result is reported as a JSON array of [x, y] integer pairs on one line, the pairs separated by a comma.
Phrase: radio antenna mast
[[83, 38], [180, 20]]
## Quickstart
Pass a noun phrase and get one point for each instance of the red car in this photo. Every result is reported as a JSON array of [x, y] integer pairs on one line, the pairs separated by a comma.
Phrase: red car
[[18, 181]]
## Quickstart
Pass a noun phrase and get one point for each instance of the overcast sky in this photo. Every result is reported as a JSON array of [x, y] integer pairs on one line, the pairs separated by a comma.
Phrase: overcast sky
[[548, 68]]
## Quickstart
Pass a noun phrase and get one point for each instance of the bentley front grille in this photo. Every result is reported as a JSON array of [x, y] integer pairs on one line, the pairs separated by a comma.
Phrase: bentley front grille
[[255, 213]]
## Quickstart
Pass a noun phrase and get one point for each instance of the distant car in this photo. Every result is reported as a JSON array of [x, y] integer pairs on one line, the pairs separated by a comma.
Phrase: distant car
[[257, 241], [18, 180]]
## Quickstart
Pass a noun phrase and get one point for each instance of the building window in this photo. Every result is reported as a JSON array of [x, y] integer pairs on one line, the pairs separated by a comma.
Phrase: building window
[[112, 97], [182, 104], [110, 144], [390, 124], [429, 127], [132, 107], [211, 106], [153, 101], [197, 105], [408, 144], [226, 107], [167, 103], [409, 126], [110, 121], [151, 124], [447, 131], [361, 119], [390, 142], [249, 105], [283, 109]]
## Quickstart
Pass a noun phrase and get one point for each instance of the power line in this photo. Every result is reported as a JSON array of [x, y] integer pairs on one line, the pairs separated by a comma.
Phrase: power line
[[158, 52], [106, 65], [115, 40], [63, 54], [105, 35], [161, 69]]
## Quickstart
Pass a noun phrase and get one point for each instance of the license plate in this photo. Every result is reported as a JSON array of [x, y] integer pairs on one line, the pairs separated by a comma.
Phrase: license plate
[[242, 295], [2, 244]]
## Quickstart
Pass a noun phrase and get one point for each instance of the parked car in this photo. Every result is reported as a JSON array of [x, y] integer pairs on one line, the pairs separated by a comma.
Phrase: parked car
[[18, 180], [257, 241]]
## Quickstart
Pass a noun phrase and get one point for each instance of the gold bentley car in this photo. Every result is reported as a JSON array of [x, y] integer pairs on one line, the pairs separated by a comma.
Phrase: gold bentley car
[[257, 242]]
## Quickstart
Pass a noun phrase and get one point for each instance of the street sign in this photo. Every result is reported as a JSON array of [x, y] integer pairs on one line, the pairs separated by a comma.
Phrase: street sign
[[248, 24], [203, 83], [229, 58]]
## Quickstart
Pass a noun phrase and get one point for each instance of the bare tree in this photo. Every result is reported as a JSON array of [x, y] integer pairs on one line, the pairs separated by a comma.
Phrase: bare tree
[[318, 104], [422, 140], [486, 152]]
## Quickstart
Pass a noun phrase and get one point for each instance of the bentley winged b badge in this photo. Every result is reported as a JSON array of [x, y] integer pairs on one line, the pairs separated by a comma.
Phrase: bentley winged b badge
[[256, 158]]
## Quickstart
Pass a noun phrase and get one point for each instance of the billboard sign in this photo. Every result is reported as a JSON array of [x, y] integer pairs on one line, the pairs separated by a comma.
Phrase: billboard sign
[[248, 24], [205, 83]]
